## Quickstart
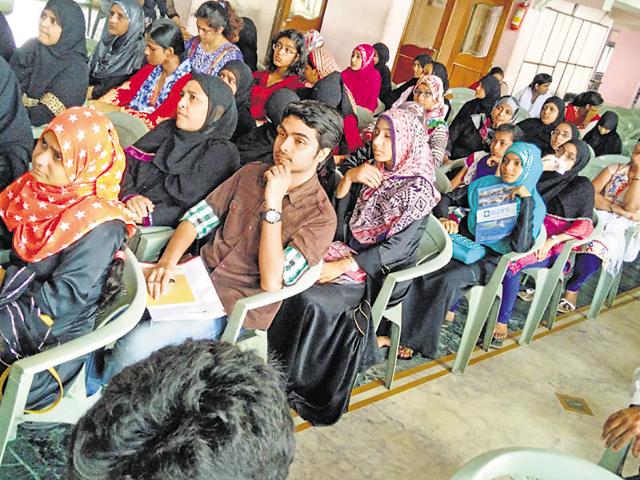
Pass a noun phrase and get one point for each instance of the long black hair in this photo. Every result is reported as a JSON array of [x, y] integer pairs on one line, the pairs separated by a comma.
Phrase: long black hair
[[167, 34], [541, 79], [113, 285], [297, 67]]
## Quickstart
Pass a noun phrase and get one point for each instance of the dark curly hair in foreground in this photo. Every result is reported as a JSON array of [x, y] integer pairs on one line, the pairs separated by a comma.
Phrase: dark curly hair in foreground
[[200, 410]]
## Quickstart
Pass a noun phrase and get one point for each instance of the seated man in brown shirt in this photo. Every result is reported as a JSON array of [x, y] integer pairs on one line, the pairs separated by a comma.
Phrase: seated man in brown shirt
[[271, 223]]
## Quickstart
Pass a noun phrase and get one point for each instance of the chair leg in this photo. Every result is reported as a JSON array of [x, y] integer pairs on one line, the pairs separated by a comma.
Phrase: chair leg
[[613, 291], [492, 319], [470, 335], [553, 304], [12, 406], [602, 290], [392, 360]]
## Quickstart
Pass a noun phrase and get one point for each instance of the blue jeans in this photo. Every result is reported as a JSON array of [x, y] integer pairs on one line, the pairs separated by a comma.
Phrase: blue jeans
[[150, 336]]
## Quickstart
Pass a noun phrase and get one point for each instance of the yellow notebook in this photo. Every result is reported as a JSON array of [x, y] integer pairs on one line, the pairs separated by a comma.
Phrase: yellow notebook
[[178, 293]]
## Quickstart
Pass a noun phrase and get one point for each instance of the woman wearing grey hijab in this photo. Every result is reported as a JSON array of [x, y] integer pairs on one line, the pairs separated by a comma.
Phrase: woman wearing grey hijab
[[120, 52]]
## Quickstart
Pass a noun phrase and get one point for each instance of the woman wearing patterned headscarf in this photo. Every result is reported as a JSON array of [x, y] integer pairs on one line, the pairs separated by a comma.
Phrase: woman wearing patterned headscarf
[[120, 52], [65, 226], [421, 321], [429, 94], [362, 79], [52, 69], [178, 163], [380, 235], [329, 87]]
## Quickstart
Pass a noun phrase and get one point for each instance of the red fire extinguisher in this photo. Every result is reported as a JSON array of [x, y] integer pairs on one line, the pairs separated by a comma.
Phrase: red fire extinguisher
[[518, 15]]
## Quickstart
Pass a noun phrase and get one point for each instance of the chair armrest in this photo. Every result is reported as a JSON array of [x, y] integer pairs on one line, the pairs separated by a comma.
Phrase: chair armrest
[[453, 164], [244, 305], [112, 331]]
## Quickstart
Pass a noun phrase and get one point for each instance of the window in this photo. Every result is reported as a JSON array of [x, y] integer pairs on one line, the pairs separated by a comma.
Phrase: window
[[482, 26]]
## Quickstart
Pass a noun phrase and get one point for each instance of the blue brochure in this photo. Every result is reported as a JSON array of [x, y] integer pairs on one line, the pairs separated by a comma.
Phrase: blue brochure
[[497, 213]]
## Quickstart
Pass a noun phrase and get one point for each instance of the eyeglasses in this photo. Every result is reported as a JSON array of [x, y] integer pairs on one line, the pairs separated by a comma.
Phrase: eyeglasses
[[560, 133], [283, 48], [422, 93]]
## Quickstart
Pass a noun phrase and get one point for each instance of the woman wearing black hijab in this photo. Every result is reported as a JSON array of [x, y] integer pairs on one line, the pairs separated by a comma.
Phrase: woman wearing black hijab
[[422, 65], [52, 69], [120, 52], [259, 146], [240, 79], [604, 138], [248, 43], [178, 163], [381, 59], [538, 130], [463, 140], [7, 44], [16, 140]]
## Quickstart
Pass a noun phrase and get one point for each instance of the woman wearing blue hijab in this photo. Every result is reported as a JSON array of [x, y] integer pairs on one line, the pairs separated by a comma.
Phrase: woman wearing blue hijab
[[520, 170]]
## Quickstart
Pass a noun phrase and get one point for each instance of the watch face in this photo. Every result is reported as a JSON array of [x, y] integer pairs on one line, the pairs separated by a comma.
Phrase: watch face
[[272, 216]]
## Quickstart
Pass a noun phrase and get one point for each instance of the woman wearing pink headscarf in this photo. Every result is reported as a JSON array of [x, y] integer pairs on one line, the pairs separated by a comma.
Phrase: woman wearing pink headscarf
[[362, 79]]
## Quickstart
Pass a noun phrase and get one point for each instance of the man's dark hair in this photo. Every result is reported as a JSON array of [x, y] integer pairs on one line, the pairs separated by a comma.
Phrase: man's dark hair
[[200, 410], [495, 70], [167, 34], [588, 98], [541, 79], [325, 120], [516, 131], [297, 67]]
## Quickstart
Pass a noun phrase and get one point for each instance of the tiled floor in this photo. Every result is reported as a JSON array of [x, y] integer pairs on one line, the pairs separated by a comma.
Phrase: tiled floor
[[430, 431]]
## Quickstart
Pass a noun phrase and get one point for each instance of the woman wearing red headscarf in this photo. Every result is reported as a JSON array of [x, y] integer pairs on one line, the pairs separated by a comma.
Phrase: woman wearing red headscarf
[[362, 79], [66, 229]]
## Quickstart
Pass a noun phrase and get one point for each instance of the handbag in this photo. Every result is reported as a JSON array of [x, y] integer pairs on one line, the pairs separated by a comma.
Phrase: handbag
[[465, 250]]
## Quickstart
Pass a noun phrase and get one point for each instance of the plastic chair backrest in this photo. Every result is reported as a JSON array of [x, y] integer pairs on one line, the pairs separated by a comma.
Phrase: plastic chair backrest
[[6, 6], [597, 164], [462, 94], [523, 114], [527, 463], [433, 241], [130, 129]]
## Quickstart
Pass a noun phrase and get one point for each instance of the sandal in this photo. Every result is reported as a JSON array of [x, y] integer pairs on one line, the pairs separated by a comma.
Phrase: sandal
[[405, 353], [527, 294], [565, 306]]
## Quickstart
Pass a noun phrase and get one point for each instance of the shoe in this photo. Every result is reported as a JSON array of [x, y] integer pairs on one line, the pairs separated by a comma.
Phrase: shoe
[[565, 306], [527, 294]]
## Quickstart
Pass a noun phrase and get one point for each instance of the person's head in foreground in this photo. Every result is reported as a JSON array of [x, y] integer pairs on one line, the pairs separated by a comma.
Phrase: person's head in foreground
[[200, 410]]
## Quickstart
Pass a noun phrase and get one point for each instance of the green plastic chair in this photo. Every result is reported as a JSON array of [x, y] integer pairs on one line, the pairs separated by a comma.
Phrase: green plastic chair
[[522, 115], [365, 117], [130, 129], [462, 94], [607, 287], [434, 252], [531, 463], [597, 164], [114, 323], [614, 461], [6, 6], [148, 242], [91, 45], [257, 339], [484, 301], [550, 285]]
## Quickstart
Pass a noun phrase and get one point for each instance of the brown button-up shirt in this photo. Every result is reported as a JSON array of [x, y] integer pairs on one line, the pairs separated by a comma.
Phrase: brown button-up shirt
[[308, 225]]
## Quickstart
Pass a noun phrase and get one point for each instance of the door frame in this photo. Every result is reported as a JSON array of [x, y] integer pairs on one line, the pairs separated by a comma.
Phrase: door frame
[[285, 6]]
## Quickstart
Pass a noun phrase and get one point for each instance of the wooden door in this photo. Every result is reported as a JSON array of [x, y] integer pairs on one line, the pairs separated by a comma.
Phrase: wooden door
[[423, 33], [476, 39], [301, 15]]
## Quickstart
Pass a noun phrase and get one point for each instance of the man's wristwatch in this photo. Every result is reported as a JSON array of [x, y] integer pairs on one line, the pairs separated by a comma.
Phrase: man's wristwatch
[[271, 216]]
